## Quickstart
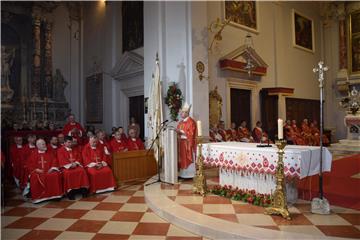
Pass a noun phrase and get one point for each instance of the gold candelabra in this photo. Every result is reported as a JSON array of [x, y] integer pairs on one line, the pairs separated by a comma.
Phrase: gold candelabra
[[278, 201], [199, 185]]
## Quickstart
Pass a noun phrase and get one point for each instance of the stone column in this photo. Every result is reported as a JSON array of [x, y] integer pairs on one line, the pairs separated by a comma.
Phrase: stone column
[[48, 60], [35, 84]]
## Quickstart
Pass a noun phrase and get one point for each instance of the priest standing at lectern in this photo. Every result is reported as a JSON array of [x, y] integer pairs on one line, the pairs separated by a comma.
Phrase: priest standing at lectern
[[186, 134]]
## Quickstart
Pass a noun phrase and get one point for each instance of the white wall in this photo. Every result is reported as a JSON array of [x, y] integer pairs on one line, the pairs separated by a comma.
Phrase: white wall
[[288, 66], [66, 56], [167, 31], [102, 47]]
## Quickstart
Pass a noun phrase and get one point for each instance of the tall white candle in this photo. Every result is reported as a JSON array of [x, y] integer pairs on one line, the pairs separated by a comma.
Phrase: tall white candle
[[280, 128], [199, 130]]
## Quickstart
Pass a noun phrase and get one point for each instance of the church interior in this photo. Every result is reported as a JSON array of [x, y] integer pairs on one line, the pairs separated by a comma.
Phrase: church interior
[[180, 120]]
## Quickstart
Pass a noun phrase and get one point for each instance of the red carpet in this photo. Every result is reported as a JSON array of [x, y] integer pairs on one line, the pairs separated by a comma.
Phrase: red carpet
[[339, 187]]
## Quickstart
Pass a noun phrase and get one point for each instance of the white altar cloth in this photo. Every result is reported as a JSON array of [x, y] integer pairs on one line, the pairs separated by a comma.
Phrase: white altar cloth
[[246, 166]]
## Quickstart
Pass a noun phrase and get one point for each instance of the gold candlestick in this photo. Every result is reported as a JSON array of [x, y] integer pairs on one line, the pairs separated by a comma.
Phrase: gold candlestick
[[199, 185], [278, 201]]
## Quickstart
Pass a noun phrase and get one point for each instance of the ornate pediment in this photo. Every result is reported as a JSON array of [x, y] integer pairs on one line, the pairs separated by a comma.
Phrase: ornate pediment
[[238, 59], [128, 66]]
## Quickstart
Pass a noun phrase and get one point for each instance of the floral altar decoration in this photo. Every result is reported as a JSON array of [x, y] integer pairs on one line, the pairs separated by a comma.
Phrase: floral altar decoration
[[249, 196], [173, 100]]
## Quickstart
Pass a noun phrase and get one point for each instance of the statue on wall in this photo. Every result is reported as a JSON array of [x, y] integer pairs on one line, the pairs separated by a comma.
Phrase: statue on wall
[[59, 87], [7, 60], [215, 105]]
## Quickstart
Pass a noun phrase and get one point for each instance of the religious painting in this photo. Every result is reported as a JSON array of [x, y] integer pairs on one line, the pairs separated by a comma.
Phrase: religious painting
[[303, 32], [354, 42], [242, 14], [94, 98], [132, 25]]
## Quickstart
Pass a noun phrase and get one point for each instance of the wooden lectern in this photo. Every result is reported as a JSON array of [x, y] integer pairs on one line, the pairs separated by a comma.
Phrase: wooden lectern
[[132, 165]]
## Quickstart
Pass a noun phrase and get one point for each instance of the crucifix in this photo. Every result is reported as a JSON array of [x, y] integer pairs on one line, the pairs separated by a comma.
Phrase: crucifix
[[321, 205]]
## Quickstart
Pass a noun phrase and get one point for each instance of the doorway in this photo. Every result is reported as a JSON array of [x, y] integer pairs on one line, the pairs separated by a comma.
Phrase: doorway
[[136, 110], [240, 108]]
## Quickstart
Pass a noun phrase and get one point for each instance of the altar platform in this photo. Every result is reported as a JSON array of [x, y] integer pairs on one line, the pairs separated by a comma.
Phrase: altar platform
[[217, 217]]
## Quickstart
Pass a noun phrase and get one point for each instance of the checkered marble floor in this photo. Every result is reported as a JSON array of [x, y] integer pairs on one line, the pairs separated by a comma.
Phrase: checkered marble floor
[[342, 222], [123, 214]]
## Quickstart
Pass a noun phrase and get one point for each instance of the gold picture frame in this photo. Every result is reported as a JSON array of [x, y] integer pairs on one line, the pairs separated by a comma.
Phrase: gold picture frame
[[354, 43], [242, 14], [303, 31]]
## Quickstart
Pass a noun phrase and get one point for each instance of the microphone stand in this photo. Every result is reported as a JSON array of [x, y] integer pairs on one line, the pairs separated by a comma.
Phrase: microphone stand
[[156, 139]]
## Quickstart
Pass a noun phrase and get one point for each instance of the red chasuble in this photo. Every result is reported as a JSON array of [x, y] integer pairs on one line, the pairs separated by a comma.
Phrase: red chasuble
[[101, 179], [118, 146], [74, 177], [70, 126], [17, 159], [135, 144], [44, 186], [187, 146], [52, 149], [107, 150], [24, 168]]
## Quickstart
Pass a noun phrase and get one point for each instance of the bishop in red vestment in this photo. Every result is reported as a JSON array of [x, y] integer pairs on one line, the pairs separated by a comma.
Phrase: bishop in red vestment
[[134, 143], [117, 144], [100, 175], [70, 161], [187, 148], [45, 178]]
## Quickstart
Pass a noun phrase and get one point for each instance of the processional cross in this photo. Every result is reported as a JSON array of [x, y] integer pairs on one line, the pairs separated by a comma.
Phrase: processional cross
[[321, 69]]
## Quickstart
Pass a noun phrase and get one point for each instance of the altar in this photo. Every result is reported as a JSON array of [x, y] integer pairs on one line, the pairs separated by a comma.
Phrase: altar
[[246, 166]]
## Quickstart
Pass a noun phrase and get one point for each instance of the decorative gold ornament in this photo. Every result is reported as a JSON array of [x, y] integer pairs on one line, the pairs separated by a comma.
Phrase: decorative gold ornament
[[199, 185], [217, 27], [278, 200], [200, 68]]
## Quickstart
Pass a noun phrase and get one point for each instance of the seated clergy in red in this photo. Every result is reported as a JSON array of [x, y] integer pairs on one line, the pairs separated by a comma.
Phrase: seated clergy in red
[[45, 178], [28, 149], [101, 135], [75, 176], [134, 143], [117, 144], [53, 145], [17, 158], [71, 125], [100, 175], [258, 134]]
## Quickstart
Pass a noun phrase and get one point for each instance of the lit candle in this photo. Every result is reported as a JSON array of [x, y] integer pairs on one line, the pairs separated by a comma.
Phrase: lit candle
[[199, 130], [280, 128]]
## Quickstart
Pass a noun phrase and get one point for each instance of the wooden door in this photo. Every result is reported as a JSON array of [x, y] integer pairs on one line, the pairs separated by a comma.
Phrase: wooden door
[[269, 113], [240, 106], [136, 110], [298, 109]]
